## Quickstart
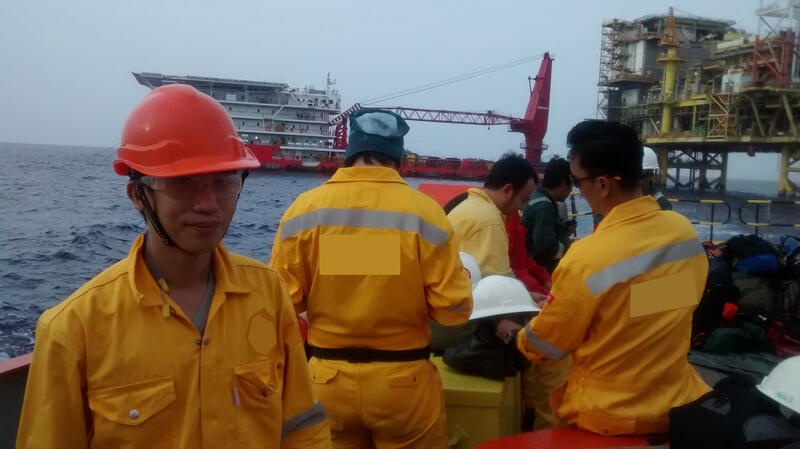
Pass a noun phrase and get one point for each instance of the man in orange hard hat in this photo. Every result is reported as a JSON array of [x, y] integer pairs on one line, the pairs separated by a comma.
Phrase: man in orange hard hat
[[371, 259], [181, 344]]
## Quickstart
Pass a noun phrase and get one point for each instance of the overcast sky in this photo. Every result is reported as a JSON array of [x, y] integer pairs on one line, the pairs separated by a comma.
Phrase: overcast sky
[[66, 66]]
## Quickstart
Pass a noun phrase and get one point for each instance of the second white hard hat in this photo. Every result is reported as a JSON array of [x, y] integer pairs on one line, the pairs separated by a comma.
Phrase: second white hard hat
[[500, 295], [782, 384], [649, 160]]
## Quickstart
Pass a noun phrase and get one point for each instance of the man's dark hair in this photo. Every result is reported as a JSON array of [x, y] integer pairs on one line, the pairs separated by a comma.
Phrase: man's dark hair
[[513, 169], [372, 157], [556, 172], [607, 148]]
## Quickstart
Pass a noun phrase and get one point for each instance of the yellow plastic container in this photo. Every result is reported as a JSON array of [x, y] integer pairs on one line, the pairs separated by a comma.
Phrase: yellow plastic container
[[479, 409]]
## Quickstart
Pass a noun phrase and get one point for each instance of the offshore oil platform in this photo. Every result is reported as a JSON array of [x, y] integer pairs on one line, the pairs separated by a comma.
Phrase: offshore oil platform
[[697, 89]]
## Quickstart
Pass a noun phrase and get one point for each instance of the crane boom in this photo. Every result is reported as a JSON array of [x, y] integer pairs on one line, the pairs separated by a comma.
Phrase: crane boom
[[533, 126]]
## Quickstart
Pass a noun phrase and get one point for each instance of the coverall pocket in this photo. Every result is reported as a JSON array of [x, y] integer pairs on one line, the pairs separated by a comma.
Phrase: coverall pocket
[[322, 381], [259, 401], [140, 414], [260, 379], [411, 397]]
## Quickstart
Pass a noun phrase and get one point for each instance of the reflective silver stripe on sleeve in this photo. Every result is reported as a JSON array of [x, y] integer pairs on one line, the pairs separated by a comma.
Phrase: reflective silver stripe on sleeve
[[540, 199], [361, 218], [560, 252], [304, 420], [544, 347], [626, 269], [658, 195]]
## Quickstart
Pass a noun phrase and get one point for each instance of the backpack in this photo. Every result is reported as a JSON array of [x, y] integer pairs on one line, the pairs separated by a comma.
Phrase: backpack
[[735, 415], [755, 255], [486, 355], [757, 296], [720, 290], [790, 260], [784, 334]]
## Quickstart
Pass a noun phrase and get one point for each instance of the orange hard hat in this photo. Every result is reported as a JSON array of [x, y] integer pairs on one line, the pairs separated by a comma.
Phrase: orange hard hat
[[177, 131]]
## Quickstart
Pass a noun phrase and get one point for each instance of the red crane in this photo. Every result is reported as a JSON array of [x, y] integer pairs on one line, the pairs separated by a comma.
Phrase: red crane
[[533, 125]]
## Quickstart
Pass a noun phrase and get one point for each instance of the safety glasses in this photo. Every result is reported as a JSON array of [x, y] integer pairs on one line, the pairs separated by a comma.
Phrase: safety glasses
[[223, 185]]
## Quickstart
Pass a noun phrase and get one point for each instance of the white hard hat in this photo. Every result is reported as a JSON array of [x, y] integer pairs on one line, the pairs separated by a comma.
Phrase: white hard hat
[[471, 267], [782, 384], [650, 160], [500, 295]]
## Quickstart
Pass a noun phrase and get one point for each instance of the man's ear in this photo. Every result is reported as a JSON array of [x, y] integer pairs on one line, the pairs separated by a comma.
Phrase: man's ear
[[604, 186], [508, 189], [130, 189]]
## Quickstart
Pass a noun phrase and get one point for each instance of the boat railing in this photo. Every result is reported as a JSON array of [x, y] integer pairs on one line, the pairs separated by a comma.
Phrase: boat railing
[[713, 215], [719, 212], [760, 215]]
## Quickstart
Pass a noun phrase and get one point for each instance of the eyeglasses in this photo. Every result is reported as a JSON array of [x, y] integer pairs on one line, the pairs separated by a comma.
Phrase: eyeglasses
[[222, 185], [577, 181]]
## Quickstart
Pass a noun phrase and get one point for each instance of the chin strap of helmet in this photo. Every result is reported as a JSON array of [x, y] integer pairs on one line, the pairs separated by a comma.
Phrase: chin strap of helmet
[[151, 216]]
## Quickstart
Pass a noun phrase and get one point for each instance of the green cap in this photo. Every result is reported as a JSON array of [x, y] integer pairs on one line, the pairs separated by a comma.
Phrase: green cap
[[376, 130]]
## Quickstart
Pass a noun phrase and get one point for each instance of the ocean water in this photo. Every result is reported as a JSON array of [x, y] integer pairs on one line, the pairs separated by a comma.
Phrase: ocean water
[[65, 218]]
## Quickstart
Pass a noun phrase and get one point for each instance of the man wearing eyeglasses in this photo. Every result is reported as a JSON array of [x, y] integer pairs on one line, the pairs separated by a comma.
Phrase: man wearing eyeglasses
[[548, 236], [371, 260], [181, 344], [622, 298], [649, 170]]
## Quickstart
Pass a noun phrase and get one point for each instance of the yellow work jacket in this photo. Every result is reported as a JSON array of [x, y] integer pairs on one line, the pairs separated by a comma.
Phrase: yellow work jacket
[[371, 259], [480, 228], [113, 367], [622, 302]]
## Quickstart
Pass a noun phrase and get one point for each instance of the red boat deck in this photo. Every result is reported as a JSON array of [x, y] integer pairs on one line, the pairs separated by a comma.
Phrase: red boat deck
[[413, 165], [564, 438]]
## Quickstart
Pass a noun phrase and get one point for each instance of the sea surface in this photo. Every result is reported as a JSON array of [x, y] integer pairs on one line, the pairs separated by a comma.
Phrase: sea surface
[[64, 218]]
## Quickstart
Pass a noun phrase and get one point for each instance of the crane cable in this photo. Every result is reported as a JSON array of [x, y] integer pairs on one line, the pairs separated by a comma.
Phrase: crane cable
[[452, 80]]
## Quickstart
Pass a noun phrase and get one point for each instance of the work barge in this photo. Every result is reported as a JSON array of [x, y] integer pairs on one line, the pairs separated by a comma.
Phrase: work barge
[[698, 89]]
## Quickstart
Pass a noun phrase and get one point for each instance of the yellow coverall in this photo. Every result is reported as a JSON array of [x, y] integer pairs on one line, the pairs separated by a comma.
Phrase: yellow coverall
[[110, 370], [622, 303], [371, 259]]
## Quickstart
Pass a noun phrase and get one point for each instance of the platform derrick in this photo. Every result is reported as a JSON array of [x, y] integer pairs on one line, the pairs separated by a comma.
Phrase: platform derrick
[[697, 90], [533, 125]]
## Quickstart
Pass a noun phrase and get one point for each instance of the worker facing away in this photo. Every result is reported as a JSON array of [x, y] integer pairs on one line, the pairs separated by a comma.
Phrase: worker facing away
[[182, 344], [622, 298], [371, 260]]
